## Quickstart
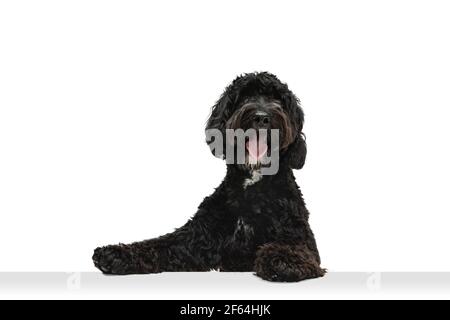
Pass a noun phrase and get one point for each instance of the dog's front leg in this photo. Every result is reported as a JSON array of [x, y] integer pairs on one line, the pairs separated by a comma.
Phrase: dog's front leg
[[287, 263], [189, 248]]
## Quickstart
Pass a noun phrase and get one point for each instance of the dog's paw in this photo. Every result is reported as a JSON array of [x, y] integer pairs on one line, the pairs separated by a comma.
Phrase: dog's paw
[[286, 264], [115, 259], [284, 271]]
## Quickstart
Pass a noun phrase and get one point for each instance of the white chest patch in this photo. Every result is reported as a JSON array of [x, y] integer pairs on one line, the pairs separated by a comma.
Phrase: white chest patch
[[256, 176]]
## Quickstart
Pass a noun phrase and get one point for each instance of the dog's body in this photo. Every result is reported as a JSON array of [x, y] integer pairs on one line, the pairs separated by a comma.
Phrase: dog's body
[[252, 222]]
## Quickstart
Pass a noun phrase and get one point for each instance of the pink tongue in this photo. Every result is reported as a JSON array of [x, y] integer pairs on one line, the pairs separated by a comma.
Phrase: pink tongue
[[256, 150]]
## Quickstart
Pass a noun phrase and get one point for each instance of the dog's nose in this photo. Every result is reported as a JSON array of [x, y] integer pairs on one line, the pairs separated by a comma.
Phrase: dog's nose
[[261, 119]]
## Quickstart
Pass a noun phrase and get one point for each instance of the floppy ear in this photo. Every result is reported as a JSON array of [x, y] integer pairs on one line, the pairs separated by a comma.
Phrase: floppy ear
[[296, 152], [216, 125]]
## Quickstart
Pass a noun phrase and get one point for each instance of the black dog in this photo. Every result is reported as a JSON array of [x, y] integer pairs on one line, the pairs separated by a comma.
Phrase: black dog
[[252, 222]]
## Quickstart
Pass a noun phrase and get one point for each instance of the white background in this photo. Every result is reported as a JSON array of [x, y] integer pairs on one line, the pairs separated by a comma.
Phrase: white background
[[103, 106]]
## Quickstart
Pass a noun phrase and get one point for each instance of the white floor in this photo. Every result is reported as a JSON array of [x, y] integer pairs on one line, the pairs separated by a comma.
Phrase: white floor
[[216, 285]]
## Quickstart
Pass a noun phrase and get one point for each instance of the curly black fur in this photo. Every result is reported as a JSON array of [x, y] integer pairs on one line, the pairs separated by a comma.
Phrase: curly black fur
[[262, 227]]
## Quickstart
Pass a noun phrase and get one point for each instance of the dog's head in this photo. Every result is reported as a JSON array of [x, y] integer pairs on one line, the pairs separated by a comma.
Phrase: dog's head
[[260, 101]]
